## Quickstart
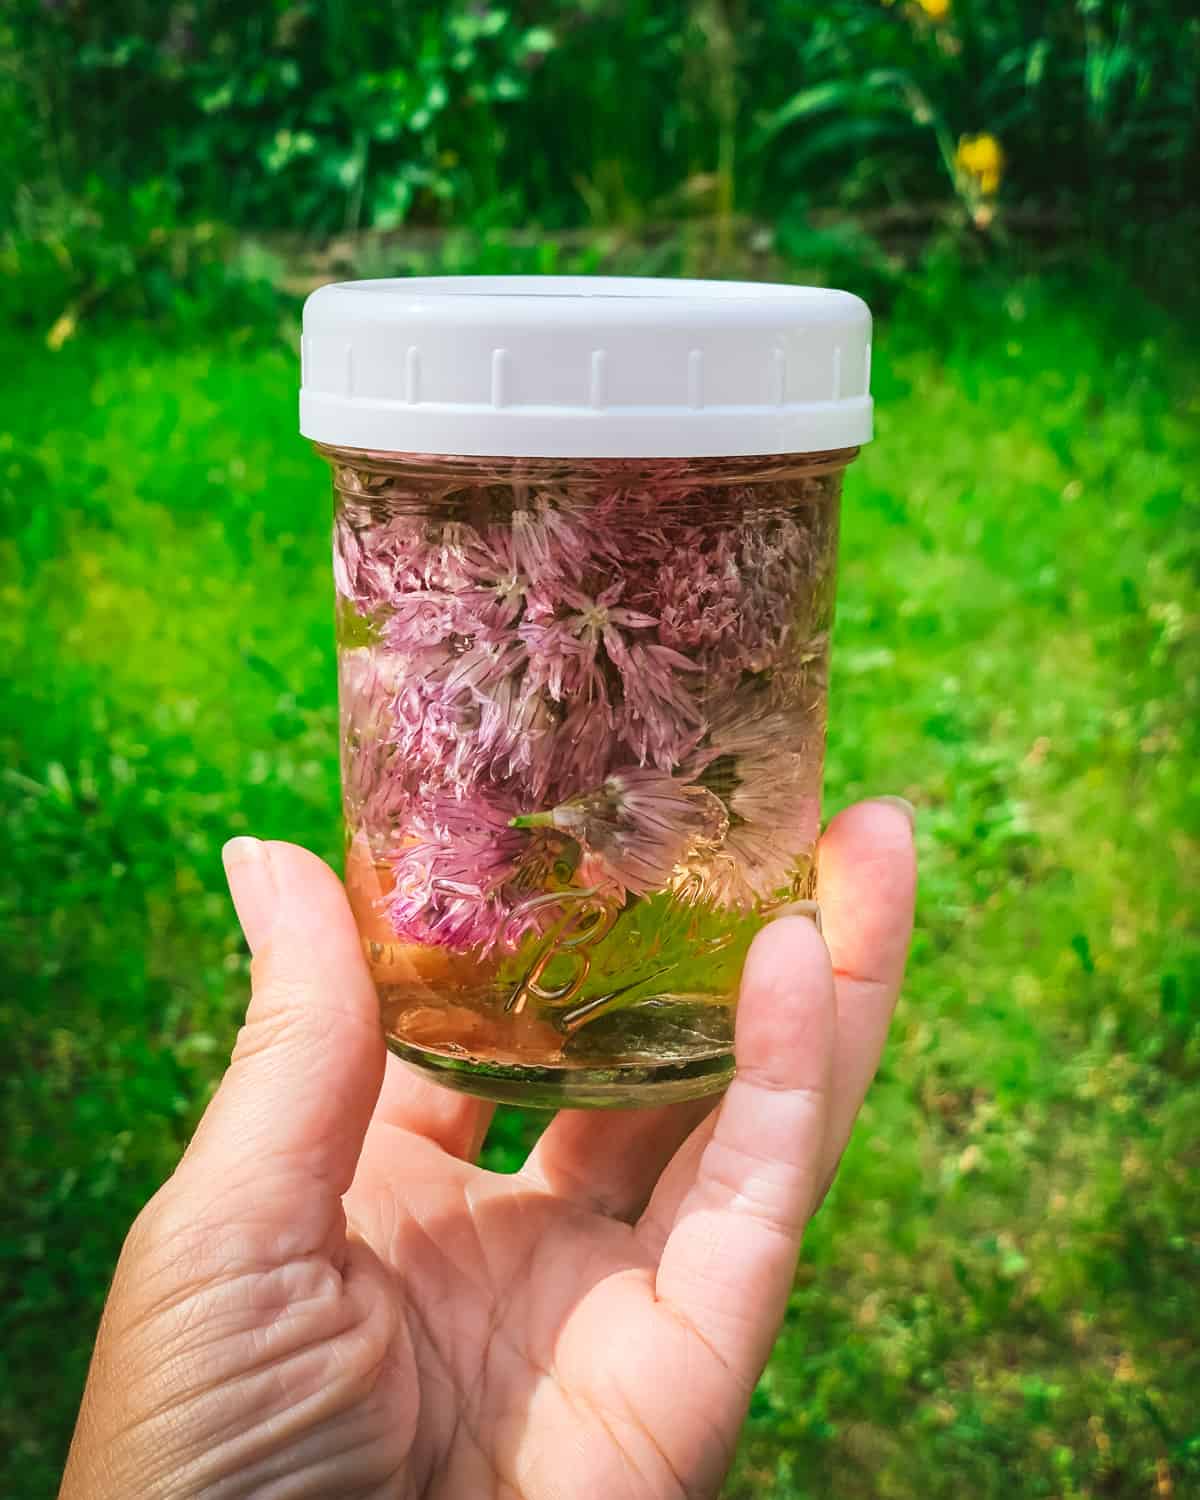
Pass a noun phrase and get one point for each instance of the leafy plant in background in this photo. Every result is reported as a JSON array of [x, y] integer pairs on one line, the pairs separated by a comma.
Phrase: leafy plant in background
[[131, 256], [1093, 107], [323, 116]]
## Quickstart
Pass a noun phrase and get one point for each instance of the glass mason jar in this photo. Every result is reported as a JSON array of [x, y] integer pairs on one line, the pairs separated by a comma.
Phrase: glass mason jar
[[582, 656]]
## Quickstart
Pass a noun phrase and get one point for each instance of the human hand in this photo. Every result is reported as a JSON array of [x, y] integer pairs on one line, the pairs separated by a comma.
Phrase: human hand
[[328, 1298]]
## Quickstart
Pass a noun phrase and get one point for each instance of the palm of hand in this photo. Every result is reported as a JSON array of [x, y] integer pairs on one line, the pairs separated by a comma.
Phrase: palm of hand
[[328, 1299], [532, 1346], [530, 1349]]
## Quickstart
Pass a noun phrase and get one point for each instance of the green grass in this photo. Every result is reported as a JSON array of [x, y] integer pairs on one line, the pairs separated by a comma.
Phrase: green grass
[[1001, 1296]]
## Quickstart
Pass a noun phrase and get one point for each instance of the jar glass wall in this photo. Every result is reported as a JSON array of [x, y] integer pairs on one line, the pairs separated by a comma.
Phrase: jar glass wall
[[582, 728]]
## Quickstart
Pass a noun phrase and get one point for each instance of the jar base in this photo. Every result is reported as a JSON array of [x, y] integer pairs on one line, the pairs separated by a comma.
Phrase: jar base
[[665, 1048], [629, 1086]]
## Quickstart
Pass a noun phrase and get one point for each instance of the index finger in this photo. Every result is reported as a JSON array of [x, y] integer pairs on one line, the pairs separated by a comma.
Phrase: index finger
[[730, 1254], [867, 879]]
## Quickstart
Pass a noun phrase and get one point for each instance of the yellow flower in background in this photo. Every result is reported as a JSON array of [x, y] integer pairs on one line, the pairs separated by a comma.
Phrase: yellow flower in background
[[63, 329], [936, 10], [979, 161]]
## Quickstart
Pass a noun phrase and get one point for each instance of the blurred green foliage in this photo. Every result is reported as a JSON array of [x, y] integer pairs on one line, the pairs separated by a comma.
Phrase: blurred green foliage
[[1000, 1297], [126, 125], [325, 114]]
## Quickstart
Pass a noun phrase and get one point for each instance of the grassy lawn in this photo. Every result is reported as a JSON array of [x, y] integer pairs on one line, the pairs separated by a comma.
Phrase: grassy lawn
[[1001, 1296]]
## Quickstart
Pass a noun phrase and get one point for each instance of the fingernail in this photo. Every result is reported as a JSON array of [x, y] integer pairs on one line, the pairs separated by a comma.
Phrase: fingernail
[[252, 885], [808, 909], [902, 805]]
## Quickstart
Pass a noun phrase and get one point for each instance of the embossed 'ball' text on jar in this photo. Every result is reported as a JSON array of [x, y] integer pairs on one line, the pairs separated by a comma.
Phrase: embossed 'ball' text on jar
[[585, 544]]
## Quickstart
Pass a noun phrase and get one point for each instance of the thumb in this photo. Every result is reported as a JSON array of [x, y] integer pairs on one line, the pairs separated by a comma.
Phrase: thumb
[[308, 1063]]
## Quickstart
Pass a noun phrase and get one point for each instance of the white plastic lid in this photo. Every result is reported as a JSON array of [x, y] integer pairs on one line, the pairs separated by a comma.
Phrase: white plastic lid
[[585, 367]]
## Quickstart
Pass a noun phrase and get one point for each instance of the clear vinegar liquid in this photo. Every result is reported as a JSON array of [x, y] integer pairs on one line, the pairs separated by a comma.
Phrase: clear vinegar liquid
[[584, 990]]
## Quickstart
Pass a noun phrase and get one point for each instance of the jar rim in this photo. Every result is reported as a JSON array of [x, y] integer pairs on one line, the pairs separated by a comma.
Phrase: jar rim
[[565, 473]]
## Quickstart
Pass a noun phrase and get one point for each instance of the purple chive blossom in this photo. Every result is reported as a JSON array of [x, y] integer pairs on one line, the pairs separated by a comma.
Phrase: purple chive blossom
[[464, 877], [347, 561], [459, 715], [641, 515], [399, 741], [429, 619], [492, 561], [451, 894], [699, 592], [726, 595], [639, 825], [368, 686], [517, 735], [372, 566], [748, 869], [565, 643], [441, 555], [523, 655], [647, 688], [661, 720], [486, 662], [773, 561], [550, 537], [376, 565], [434, 738], [757, 762], [582, 749]]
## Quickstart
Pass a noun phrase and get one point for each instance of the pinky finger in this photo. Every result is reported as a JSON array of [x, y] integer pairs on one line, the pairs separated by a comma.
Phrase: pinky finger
[[730, 1254]]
